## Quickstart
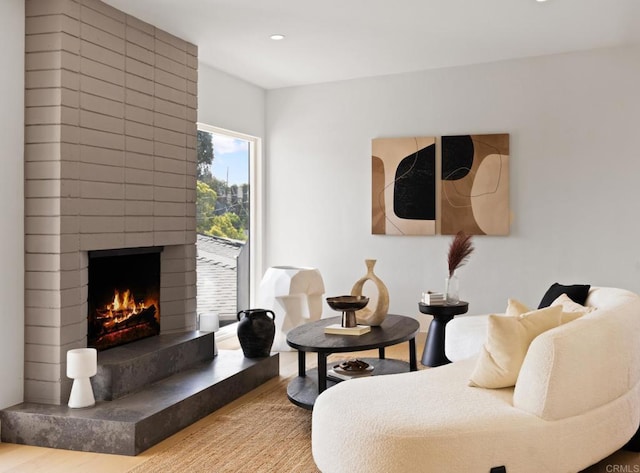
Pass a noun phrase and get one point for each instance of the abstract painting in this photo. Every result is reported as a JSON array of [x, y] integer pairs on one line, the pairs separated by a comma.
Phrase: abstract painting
[[403, 186], [475, 184]]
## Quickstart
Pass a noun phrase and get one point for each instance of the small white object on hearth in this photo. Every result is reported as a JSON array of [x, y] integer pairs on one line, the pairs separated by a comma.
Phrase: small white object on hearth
[[82, 364]]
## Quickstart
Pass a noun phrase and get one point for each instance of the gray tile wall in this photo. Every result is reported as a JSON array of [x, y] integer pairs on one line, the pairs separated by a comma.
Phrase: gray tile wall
[[110, 162]]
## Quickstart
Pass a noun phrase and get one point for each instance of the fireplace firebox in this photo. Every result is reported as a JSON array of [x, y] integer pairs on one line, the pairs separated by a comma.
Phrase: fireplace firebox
[[123, 296]]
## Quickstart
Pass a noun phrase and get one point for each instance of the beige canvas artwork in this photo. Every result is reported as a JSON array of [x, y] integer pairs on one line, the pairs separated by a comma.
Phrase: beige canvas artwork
[[475, 184], [403, 186]]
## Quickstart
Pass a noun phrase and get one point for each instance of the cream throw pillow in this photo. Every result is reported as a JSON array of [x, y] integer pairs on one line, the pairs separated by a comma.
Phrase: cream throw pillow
[[508, 339], [516, 308], [571, 310]]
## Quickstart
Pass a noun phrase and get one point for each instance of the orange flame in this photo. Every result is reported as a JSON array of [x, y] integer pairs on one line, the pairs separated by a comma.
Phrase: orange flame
[[121, 308], [125, 302]]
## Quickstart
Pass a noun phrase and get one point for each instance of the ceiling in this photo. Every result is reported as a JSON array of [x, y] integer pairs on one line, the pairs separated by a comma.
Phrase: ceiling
[[334, 40]]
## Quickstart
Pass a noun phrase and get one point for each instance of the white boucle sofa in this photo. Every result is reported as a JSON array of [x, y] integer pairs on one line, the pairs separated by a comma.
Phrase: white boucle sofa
[[576, 401]]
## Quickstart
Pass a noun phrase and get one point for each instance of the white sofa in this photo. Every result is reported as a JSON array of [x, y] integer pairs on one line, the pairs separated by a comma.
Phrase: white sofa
[[576, 401]]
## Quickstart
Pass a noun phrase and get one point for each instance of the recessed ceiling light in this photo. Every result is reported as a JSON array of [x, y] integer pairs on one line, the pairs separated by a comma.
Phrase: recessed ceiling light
[[540, 1], [276, 37]]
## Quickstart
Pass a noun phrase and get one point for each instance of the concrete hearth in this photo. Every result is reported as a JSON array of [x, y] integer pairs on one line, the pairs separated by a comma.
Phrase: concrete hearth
[[175, 380]]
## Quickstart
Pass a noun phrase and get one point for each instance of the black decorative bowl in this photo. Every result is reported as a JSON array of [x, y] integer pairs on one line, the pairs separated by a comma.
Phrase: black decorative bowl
[[347, 303]]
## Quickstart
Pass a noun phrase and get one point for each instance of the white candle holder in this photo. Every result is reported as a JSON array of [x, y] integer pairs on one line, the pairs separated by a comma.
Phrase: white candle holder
[[208, 322], [82, 364]]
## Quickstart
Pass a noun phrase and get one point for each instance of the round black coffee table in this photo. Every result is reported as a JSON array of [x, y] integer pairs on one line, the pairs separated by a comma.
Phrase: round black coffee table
[[305, 388], [433, 354]]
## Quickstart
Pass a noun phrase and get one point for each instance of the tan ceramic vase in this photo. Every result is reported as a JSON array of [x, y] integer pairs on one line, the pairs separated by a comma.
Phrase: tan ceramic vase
[[369, 316]]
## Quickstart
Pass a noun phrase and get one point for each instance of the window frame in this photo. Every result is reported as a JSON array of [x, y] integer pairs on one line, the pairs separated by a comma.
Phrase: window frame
[[255, 203]]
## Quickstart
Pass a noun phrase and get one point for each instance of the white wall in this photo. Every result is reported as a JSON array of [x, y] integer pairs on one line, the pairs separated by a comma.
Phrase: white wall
[[224, 101], [227, 102], [575, 169], [12, 201]]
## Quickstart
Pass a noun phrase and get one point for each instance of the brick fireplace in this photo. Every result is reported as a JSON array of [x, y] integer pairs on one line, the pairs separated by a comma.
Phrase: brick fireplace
[[110, 164], [110, 169]]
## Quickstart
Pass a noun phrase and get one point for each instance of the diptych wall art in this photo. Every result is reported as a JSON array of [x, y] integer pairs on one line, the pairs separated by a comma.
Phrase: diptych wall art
[[474, 185], [403, 186]]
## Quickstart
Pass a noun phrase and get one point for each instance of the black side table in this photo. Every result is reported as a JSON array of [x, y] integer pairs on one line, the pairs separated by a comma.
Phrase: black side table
[[433, 354]]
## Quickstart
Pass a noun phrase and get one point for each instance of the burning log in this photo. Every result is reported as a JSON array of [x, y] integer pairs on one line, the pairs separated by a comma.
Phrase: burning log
[[123, 320]]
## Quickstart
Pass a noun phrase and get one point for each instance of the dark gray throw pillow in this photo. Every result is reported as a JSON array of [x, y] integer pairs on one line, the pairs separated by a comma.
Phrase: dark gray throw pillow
[[577, 293]]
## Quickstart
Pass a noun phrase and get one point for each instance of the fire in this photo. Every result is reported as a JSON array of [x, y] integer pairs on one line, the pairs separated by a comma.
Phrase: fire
[[121, 308], [125, 302]]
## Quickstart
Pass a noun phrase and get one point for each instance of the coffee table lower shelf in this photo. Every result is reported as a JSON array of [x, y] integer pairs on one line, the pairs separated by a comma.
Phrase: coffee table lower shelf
[[303, 390]]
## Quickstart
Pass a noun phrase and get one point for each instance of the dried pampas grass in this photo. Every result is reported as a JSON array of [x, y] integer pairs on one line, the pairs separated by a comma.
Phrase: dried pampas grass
[[459, 251]]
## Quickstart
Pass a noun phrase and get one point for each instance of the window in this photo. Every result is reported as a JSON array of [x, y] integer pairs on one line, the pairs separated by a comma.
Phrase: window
[[226, 221]]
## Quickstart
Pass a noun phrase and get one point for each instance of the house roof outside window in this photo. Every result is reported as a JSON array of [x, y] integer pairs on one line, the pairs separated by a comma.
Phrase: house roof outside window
[[217, 276]]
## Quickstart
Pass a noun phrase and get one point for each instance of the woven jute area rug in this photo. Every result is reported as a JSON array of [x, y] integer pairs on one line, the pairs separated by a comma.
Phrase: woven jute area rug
[[265, 435]]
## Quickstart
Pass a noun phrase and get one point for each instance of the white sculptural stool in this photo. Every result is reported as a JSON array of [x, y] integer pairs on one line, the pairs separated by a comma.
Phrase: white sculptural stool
[[82, 363], [295, 296]]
